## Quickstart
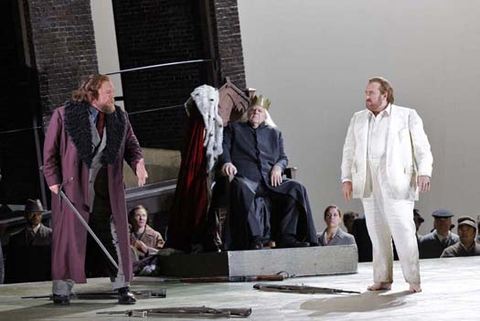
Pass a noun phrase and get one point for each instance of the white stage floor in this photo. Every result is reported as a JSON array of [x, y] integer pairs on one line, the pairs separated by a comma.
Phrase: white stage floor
[[451, 291]]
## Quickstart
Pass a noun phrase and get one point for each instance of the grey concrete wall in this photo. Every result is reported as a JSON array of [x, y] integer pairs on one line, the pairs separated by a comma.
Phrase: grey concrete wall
[[313, 59]]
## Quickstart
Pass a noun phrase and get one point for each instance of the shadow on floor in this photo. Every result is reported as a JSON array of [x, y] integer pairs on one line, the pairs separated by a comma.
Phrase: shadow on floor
[[365, 302], [48, 310]]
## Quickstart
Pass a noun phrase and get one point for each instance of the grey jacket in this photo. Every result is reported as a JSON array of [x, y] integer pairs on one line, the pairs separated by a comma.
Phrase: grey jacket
[[340, 238], [430, 246]]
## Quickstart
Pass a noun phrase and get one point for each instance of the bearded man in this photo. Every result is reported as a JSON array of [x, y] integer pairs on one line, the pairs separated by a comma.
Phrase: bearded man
[[386, 163], [87, 140]]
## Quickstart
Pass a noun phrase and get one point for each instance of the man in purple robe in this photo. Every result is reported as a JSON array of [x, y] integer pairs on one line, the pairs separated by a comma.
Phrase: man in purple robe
[[87, 140]]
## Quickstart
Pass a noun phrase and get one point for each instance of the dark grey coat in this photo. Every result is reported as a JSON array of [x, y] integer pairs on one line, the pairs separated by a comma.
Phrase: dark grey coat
[[29, 262], [430, 246]]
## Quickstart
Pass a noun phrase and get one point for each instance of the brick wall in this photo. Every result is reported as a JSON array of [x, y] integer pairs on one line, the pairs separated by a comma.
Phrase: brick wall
[[152, 32], [158, 31], [228, 41], [63, 42]]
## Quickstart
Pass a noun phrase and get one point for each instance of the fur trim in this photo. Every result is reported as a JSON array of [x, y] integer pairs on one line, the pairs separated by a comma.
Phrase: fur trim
[[206, 99], [77, 125]]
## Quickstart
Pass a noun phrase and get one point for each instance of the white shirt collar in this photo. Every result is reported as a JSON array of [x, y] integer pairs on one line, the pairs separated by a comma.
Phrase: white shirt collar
[[35, 229], [387, 111]]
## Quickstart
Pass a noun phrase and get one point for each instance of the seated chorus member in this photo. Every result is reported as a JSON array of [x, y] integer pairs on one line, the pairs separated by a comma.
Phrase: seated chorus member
[[432, 244], [333, 234], [144, 240], [467, 229]]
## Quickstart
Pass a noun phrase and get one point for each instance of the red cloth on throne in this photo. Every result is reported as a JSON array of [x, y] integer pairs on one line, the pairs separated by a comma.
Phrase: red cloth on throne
[[188, 221]]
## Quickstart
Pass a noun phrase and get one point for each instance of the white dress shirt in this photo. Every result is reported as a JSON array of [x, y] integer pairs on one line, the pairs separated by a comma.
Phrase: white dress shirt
[[378, 127]]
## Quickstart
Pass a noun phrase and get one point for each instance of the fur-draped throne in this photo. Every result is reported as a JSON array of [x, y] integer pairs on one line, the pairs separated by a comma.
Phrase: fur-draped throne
[[192, 226]]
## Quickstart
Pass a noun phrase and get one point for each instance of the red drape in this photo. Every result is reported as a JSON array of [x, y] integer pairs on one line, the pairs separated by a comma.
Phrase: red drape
[[188, 222]]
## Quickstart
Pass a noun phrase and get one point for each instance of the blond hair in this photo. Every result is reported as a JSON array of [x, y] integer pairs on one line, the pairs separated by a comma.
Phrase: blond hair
[[385, 87], [88, 90]]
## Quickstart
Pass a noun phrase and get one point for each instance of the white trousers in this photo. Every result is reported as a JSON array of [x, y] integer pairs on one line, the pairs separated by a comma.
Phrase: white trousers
[[386, 218]]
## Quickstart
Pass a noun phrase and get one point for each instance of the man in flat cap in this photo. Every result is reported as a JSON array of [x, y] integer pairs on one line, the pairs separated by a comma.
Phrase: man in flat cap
[[28, 256], [433, 244], [467, 229]]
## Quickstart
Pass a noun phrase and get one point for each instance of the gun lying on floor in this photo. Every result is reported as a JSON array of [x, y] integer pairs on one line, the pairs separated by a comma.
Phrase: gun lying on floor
[[249, 278], [104, 295], [184, 312], [304, 289]]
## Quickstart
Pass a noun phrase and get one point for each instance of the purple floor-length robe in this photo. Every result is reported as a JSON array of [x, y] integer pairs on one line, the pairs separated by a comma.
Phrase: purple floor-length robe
[[62, 164]]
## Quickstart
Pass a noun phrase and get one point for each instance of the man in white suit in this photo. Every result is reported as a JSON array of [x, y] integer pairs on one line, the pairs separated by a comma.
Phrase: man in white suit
[[386, 162]]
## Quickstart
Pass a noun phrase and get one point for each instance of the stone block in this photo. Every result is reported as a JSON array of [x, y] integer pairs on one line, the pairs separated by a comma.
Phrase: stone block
[[321, 260]]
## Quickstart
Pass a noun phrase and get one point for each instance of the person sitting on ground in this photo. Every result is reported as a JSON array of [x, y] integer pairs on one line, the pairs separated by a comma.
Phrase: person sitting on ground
[[467, 229], [433, 244], [144, 240], [333, 234], [29, 250], [264, 206], [348, 218]]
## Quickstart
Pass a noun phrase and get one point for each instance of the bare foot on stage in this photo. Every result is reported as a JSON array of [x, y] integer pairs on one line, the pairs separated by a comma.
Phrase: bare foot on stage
[[379, 286], [415, 288]]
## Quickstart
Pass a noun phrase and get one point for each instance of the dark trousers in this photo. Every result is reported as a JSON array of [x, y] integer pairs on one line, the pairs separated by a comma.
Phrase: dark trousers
[[97, 264], [272, 216]]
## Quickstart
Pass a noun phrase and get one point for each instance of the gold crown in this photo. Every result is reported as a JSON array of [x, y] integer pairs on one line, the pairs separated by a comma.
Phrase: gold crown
[[261, 101]]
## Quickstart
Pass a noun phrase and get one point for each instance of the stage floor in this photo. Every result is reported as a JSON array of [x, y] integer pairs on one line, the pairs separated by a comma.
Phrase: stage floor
[[450, 291]]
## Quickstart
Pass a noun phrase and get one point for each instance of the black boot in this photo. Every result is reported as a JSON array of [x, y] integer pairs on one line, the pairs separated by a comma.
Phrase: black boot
[[61, 299], [125, 296]]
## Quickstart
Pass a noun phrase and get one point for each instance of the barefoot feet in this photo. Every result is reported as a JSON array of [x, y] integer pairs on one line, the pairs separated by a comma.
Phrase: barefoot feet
[[415, 288], [379, 286]]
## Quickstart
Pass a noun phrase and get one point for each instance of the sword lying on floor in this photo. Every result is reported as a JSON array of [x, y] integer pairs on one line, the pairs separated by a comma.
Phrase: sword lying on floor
[[303, 289]]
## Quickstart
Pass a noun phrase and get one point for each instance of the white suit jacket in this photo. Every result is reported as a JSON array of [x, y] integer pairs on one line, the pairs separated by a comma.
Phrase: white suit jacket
[[408, 153]]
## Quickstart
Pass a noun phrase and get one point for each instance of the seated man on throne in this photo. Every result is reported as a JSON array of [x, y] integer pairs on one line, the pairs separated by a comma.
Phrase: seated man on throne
[[264, 207]]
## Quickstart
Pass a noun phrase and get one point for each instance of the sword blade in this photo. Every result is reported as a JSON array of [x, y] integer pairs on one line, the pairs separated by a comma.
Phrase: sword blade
[[90, 231]]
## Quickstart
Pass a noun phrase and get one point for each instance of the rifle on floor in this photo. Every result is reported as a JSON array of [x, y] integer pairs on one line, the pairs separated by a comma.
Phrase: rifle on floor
[[104, 295], [243, 278], [303, 289], [184, 312]]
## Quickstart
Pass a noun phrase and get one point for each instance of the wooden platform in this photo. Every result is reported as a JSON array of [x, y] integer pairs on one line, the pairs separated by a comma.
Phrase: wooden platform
[[320, 260]]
